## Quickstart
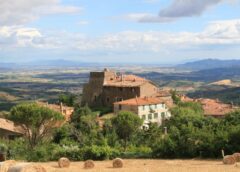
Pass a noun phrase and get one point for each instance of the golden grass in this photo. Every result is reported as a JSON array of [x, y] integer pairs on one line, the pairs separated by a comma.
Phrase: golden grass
[[149, 166]]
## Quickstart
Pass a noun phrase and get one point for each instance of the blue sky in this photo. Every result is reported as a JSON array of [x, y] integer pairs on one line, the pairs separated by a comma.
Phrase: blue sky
[[142, 31]]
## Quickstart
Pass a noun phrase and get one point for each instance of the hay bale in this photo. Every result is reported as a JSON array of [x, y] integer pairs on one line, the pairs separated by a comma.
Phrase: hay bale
[[117, 163], [4, 166], [26, 167], [236, 156], [229, 160], [63, 162], [89, 164]]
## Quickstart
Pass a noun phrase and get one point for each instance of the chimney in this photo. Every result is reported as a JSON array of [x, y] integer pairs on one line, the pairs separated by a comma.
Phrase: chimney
[[61, 107]]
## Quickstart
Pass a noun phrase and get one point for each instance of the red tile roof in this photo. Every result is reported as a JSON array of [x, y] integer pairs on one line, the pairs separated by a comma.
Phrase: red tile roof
[[211, 107], [10, 126], [215, 108], [140, 101]]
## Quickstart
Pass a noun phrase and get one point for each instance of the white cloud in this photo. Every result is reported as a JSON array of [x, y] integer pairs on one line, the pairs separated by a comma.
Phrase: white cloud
[[214, 36], [18, 12], [187, 8], [18, 36], [177, 9]]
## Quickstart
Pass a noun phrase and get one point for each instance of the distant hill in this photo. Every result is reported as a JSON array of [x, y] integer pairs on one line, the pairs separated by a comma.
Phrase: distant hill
[[209, 64], [223, 93], [45, 63], [222, 82], [56, 63], [207, 75], [7, 65]]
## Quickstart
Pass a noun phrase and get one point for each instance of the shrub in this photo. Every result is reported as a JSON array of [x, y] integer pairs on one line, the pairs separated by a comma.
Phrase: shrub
[[99, 153], [137, 152], [73, 153], [3, 148]]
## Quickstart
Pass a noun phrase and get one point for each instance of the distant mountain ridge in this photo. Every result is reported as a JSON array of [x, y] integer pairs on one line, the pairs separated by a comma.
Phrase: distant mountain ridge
[[45, 63], [56, 63], [209, 64]]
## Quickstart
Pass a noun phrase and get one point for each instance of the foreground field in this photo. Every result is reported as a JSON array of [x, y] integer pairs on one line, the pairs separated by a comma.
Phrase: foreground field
[[150, 166]]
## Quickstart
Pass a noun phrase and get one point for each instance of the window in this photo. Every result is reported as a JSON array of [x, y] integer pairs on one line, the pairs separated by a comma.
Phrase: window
[[144, 117], [163, 114], [149, 116], [143, 107], [108, 99], [155, 115], [120, 88], [155, 106], [95, 98], [120, 107], [133, 89]]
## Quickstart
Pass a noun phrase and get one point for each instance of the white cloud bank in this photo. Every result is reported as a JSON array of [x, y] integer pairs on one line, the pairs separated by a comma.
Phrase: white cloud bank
[[19, 12], [216, 34]]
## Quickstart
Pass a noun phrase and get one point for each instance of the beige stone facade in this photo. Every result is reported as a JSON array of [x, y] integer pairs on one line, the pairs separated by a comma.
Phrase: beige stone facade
[[151, 110]]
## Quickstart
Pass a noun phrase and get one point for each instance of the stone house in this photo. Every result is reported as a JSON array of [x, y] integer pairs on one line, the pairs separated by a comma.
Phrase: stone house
[[9, 130], [212, 107], [106, 87], [150, 109]]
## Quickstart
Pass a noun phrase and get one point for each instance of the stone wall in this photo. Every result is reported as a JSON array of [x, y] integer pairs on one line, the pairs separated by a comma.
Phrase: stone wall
[[92, 91], [114, 94], [148, 90]]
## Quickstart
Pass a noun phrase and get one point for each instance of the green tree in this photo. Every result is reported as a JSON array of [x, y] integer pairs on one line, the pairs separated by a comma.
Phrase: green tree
[[125, 125], [175, 97], [67, 99], [85, 126], [37, 121]]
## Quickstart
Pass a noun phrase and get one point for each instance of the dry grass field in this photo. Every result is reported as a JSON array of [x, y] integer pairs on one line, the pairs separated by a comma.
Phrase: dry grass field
[[150, 166]]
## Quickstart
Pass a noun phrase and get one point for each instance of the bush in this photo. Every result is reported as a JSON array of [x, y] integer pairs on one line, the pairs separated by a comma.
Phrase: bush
[[100, 153], [18, 149], [137, 152], [3, 148], [73, 153]]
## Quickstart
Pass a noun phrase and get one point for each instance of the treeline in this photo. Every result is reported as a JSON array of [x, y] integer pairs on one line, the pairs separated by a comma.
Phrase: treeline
[[187, 134]]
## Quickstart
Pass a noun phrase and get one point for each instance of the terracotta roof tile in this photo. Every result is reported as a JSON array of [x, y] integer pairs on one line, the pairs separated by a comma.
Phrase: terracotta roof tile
[[126, 81], [10, 126], [140, 101]]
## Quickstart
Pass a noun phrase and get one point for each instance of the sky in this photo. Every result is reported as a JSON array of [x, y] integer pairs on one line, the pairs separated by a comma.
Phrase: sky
[[119, 31]]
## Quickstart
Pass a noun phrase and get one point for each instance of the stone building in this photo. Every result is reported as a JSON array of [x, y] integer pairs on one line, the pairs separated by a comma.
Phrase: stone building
[[106, 87], [150, 109], [212, 107], [9, 130]]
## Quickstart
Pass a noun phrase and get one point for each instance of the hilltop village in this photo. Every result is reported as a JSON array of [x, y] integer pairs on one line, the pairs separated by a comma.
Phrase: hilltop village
[[122, 92], [120, 116]]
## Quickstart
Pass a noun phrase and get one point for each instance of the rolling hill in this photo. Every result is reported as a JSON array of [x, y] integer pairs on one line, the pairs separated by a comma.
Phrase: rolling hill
[[209, 64]]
